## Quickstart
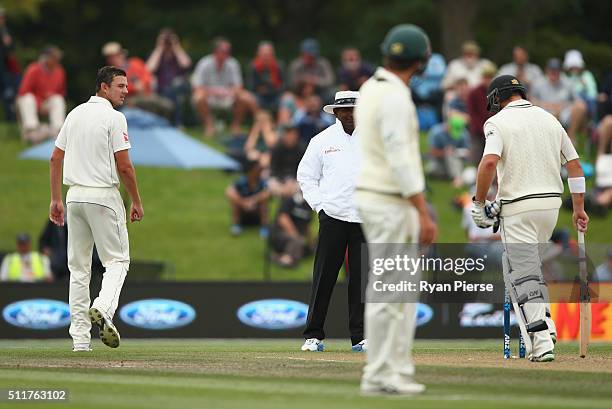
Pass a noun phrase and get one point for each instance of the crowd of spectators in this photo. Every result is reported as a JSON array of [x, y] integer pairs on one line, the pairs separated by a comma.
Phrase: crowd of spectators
[[280, 107]]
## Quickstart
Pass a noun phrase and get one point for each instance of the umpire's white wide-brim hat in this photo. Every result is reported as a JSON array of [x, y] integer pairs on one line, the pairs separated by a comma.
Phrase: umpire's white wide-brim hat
[[343, 99]]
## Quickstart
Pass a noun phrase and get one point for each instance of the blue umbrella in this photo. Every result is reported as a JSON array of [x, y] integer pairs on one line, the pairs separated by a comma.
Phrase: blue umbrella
[[156, 143]]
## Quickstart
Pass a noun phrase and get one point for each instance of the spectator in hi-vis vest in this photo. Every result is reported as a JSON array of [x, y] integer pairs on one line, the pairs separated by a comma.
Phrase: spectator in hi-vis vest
[[25, 265]]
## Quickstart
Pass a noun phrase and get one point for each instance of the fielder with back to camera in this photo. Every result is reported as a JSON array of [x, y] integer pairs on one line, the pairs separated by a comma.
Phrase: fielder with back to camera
[[93, 145], [527, 147], [392, 204]]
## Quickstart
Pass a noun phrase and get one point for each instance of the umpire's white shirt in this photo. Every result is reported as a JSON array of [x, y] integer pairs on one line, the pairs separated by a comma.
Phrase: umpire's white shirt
[[532, 146], [328, 172], [90, 136]]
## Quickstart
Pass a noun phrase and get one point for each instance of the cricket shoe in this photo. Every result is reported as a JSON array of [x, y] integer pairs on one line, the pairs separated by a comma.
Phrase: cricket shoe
[[108, 333], [545, 357], [399, 390], [313, 345], [361, 346], [81, 348]]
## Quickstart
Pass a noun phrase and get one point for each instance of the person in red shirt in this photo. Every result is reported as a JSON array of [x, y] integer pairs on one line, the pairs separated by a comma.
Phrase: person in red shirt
[[42, 92], [140, 80], [477, 111]]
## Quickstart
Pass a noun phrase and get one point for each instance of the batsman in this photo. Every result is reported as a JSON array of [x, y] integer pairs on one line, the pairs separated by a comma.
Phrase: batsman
[[527, 147]]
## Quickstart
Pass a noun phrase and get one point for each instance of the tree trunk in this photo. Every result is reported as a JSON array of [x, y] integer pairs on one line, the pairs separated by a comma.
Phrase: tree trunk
[[457, 23]]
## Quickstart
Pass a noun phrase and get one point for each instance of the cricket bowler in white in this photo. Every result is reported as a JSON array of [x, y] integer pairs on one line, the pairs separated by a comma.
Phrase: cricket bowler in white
[[93, 145], [391, 203], [526, 146]]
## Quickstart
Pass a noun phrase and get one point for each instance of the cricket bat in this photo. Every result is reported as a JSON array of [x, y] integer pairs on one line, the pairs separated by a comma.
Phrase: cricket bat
[[585, 306]]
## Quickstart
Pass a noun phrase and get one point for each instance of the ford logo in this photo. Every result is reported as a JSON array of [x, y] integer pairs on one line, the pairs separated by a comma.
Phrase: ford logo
[[424, 314], [39, 314], [273, 314], [157, 314]]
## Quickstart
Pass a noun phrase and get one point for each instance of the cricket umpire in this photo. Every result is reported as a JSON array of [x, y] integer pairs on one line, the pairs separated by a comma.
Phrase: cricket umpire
[[327, 174], [93, 145], [526, 146], [391, 202]]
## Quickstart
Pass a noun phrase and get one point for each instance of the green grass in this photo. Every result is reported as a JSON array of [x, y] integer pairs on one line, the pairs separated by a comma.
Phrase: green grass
[[187, 217], [272, 374]]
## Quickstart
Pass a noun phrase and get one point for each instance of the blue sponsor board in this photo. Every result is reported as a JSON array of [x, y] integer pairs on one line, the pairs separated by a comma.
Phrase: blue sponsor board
[[37, 314], [424, 314], [157, 314], [273, 314]]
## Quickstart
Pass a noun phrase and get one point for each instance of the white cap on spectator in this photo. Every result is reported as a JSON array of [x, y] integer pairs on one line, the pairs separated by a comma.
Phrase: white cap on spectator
[[112, 48], [573, 59], [343, 99]]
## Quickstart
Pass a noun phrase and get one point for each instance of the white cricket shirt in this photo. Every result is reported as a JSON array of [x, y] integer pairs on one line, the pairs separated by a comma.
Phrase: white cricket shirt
[[90, 136], [532, 146], [389, 129], [328, 172]]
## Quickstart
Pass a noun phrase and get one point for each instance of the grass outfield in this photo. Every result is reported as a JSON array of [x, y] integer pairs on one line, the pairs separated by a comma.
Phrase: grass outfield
[[272, 374]]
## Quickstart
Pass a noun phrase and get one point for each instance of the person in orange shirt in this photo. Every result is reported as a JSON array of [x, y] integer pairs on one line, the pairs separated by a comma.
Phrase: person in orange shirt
[[42, 92], [140, 80]]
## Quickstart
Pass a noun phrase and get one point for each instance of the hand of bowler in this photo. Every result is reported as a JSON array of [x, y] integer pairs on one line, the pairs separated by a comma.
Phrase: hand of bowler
[[136, 212], [56, 213]]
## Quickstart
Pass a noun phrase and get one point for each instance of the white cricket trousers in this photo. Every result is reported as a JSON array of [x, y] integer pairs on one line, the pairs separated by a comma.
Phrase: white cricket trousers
[[95, 215], [55, 106], [525, 237], [389, 327]]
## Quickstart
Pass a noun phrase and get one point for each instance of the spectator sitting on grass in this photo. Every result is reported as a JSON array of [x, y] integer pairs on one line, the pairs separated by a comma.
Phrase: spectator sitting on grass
[[9, 69], [248, 198], [580, 79], [477, 111], [290, 235], [313, 69], [603, 272], [448, 149], [293, 101], [266, 77], [42, 92], [25, 265], [140, 80], [261, 139], [284, 161], [354, 71], [311, 120], [457, 105], [554, 94], [217, 85], [526, 72], [169, 63], [468, 66]]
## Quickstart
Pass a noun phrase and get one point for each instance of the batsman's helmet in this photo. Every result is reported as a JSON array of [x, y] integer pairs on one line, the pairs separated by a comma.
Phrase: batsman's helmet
[[500, 89], [406, 42]]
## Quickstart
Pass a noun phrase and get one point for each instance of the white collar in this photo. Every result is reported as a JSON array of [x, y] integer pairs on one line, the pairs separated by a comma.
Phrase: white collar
[[97, 99], [519, 103], [383, 73]]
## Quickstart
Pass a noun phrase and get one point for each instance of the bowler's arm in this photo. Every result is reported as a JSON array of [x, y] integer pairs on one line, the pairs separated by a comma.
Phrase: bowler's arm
[[56, 208], [127, 173]]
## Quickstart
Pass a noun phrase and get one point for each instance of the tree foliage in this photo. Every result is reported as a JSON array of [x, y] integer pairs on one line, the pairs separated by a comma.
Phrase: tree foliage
[[80, 27]]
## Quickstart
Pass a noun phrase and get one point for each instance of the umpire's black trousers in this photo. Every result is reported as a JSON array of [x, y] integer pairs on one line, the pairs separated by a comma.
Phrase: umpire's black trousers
[[335, 237]]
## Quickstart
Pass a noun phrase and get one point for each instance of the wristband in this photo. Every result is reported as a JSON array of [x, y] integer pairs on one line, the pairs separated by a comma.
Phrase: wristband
[[576, 185]]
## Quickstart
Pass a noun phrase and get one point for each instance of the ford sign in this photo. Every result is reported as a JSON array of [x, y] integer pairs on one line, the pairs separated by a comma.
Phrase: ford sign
[[273, 314], [157, 314], [424, 314], [39, 314]]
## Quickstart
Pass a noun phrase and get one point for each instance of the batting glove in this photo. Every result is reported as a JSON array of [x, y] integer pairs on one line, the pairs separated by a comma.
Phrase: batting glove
[[479, 214]]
